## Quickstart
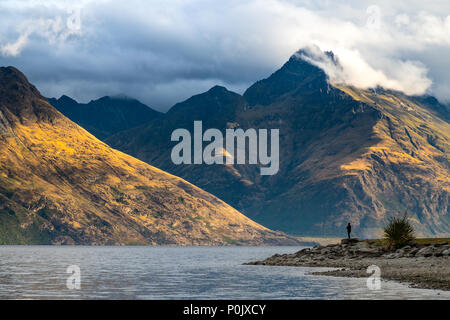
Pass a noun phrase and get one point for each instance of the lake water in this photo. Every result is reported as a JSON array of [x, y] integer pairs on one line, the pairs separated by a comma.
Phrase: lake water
[[39, 272]]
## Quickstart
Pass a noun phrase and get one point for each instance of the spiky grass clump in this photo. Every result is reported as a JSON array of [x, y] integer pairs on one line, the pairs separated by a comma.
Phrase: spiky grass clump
[[399, 232]]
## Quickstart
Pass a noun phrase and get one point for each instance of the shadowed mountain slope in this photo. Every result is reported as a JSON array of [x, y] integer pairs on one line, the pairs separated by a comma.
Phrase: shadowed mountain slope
[[107, 115], [345, 154]]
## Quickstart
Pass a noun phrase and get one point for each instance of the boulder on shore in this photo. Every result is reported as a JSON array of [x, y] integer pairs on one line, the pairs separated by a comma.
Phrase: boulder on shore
[[350, 241]]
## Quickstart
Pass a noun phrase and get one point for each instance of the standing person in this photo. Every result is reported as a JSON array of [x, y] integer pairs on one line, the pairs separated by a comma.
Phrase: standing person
[[349, 229]]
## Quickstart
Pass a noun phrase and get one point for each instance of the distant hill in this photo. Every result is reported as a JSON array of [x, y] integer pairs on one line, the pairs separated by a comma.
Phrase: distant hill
[[107, 115], [346, 154], [61, 185]]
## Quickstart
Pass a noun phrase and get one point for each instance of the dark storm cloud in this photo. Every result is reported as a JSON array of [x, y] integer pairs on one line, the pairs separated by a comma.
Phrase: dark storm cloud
[[162, 52]]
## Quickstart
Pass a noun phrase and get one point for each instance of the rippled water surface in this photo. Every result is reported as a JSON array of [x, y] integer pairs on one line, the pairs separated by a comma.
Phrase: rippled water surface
[[39, 272]]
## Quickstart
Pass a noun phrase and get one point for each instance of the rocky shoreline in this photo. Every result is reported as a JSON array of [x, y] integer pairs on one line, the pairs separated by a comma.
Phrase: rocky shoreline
[[422, 266]]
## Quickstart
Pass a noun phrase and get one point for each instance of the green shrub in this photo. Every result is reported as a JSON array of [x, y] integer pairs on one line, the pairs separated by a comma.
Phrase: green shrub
[[399, 232]]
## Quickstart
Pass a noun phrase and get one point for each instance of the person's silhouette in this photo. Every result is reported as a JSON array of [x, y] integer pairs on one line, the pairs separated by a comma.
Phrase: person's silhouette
[[349, 229]]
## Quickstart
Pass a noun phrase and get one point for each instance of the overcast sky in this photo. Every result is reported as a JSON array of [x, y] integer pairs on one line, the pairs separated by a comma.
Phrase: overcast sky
[[162, 52]]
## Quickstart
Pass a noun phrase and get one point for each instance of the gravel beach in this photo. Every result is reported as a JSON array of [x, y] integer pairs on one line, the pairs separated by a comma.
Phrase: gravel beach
[[421, 266]]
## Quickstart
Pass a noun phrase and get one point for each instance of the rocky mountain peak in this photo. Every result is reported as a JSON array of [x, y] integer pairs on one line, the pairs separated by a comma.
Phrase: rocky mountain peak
[[308, 54], [299, 71], [20, 100], [66, 99], [218, 89], [14, 86]]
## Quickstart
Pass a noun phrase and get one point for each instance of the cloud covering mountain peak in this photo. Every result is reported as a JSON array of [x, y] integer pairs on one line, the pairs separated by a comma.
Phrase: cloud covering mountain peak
[[350, 68]]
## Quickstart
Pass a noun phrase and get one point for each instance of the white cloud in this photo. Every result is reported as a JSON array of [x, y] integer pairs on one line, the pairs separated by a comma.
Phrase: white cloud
[[409, 77], [55, 29], [158, 45], [14, 48]]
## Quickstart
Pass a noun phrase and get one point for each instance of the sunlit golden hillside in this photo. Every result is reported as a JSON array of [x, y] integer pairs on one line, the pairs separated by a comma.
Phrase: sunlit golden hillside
[[59, 184]]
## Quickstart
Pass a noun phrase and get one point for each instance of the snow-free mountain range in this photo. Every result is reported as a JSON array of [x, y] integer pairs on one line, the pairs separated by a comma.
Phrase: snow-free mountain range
[[346, 155]]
